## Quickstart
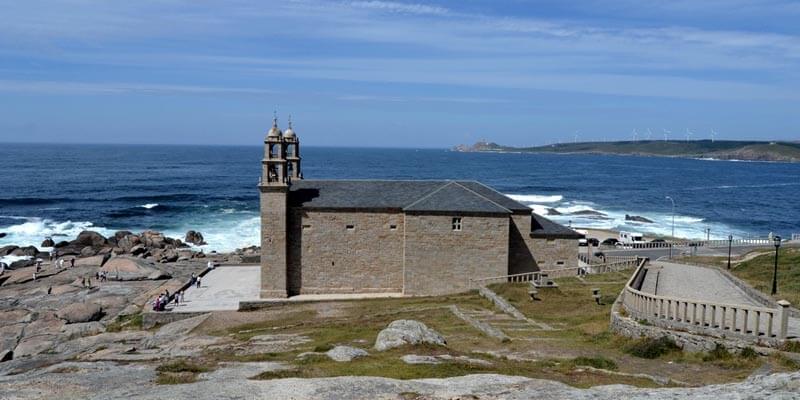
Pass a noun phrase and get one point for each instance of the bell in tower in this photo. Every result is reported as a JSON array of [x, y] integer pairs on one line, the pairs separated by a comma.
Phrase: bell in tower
[[274, 167], [292, 144]]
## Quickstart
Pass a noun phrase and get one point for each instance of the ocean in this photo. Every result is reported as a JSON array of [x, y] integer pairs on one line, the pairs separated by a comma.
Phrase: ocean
[[60, 190]]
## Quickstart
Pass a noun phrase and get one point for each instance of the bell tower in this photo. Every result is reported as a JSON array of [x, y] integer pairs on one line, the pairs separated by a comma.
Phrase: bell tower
[[274, 192], [292, 152]]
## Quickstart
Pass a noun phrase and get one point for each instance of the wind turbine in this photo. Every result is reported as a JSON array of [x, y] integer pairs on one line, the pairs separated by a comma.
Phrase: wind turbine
[[666, 134], [649, 133], [688, 135], [713, 135], [576, 137], [635, 135]]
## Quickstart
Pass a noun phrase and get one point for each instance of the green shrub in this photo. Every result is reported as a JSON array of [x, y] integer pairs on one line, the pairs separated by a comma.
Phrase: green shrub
[[748, 352], [718, 354], [169, 378], [183, 366], [791, 346], [596, 362], [322, 348], [651, 348]]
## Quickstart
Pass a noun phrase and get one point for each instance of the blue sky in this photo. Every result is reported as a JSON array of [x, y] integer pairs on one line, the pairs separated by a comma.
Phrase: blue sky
[[400, 74]]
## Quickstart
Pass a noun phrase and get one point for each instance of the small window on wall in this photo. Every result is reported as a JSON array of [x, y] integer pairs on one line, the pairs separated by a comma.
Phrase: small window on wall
[[457, 223], [306, 226], [350, 227], [559, 263], [393, 227]]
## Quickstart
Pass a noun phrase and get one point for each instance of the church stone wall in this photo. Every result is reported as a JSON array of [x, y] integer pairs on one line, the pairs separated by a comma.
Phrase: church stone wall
[[439, 260], [521, 257], [327, 257], [550, 252]]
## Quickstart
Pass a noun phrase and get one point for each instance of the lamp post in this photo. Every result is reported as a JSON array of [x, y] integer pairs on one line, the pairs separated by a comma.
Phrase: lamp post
[[730, 243], [777, 241], [673, 225]]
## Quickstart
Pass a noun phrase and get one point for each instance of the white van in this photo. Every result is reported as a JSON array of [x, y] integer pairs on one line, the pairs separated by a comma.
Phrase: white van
[[630, 237], [582, 241]]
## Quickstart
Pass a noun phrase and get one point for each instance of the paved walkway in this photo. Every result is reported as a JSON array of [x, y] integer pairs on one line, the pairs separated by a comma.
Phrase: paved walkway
[[222, 289], [701, 283]]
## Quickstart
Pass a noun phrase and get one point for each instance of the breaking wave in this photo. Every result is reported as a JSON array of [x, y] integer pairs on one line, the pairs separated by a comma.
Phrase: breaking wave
[[586, 214]]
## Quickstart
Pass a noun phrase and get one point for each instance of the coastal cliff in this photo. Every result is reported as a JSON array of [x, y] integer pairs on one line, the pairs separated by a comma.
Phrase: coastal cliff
[[720, 149]]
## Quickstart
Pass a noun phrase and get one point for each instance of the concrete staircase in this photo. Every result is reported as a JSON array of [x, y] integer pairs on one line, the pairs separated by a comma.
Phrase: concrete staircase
[[512, 327]]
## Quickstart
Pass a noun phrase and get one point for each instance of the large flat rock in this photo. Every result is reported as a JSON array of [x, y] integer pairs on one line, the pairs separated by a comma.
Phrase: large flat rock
[[132, 269]]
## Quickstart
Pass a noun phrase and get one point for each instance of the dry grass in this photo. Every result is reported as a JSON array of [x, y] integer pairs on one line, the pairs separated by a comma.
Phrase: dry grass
[[581, 338]]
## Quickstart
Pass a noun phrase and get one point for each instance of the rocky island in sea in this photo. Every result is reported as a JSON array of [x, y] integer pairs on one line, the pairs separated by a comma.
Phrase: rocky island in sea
[[705, 149]]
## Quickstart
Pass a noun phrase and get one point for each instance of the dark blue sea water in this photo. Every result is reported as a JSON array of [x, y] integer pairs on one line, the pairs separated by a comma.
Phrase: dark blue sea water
[[52, 190]]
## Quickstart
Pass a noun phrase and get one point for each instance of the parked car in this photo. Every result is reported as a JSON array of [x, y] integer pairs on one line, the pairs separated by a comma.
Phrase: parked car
[[593, 241], [658, 241], [610, 242]]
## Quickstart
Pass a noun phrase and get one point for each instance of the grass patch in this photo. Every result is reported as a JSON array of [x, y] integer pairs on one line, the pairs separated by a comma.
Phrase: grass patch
[[721, 357], [758, 273], [748, 353], [581, 338], [323, 348], [184, 366], [596, 362], [181, 371], [651, 348], [126, 323], [791, 346], [66, 370], [170, 378]]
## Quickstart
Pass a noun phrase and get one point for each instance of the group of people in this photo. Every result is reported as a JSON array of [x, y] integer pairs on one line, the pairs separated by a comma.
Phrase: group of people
[[195, 280], [60, 263], [102, 276], [160, 303]]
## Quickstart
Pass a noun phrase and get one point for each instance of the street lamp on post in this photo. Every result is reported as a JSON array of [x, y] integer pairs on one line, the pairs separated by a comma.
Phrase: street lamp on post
[[730, 243], [673, 224], [777, 241]]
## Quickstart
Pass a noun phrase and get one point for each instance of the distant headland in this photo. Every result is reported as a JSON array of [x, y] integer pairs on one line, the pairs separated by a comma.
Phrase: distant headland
[[718, 149]]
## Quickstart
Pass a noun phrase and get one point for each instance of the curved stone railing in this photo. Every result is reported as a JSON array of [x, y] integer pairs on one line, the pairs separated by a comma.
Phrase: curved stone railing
[[752, 323]]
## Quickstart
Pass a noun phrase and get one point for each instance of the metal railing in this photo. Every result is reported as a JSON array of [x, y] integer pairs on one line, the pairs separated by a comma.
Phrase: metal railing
[[796, 237], [691, 243], [718, 319]]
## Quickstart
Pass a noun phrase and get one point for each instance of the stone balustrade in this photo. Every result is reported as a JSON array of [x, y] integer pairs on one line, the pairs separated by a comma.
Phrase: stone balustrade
[[753, 323]]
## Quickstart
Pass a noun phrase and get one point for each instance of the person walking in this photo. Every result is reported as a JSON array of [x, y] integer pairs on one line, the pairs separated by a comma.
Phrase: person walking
[[72, 262], [198, 282]]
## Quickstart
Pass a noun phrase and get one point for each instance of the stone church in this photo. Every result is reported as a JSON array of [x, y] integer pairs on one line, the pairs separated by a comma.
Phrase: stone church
[[412, 237]]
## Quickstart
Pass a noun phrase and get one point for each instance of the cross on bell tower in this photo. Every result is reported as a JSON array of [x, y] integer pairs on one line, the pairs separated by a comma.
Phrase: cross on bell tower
[[292, 144]]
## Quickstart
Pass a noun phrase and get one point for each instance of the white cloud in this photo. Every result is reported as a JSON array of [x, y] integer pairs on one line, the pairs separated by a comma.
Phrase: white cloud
[[405, 8], [65, 87]]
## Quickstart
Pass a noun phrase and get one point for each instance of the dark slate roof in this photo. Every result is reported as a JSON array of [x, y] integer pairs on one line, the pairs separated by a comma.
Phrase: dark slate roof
[[408, 195], [453, 197], [545, 228]]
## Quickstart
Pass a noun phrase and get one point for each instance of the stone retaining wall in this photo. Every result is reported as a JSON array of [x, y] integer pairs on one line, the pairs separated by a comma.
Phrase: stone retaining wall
[[756, 295], [153, 318]]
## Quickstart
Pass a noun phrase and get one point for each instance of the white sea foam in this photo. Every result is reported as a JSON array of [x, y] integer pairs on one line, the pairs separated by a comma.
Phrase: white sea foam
[[34, 230], [535, 198], [11, 259], [149, 205]]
